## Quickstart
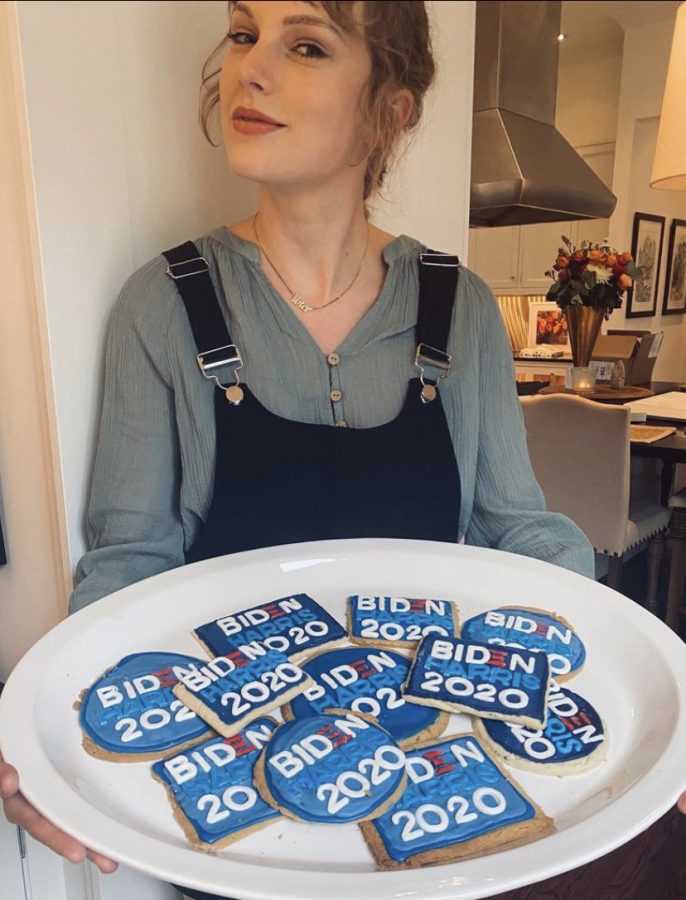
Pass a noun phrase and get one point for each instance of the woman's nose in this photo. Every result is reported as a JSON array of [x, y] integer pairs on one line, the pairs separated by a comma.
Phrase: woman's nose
[[256, 71]]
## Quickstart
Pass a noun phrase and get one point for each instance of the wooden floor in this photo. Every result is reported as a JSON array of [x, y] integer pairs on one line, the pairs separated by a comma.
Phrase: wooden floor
[[653, 865]]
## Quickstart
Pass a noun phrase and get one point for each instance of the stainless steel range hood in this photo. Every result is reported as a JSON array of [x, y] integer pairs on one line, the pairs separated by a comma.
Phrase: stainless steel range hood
[[523, 170]]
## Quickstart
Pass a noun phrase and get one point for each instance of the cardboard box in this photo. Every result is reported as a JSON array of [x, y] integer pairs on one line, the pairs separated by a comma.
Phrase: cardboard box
[[636, 349]]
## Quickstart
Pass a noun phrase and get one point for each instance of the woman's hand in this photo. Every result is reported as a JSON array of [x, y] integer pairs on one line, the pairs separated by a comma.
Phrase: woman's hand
[[20, 812], [681, 803]]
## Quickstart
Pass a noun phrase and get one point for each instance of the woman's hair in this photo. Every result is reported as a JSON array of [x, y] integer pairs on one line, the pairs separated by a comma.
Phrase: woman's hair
[[399, 42]]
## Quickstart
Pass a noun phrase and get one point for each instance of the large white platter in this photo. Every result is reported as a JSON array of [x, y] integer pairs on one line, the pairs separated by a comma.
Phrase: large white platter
[[635, 676]]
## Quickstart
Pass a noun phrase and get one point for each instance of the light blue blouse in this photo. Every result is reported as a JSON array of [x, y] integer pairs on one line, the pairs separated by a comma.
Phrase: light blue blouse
[[153, 476]]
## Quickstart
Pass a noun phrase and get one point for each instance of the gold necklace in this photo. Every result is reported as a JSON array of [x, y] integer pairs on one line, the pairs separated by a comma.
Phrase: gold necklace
[[296, 299]]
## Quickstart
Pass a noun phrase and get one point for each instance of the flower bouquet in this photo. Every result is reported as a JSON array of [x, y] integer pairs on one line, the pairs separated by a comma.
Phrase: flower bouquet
[[588, 283], [592, 275]]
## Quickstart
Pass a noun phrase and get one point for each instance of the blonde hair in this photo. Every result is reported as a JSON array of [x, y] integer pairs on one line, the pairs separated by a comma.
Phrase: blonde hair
[[399, 42]]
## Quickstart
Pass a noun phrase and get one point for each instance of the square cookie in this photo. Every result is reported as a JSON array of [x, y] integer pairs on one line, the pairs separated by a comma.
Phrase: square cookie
[[398, 621], [458, 803], [481, 679], [293, 625], [232, 690], [211, 790]]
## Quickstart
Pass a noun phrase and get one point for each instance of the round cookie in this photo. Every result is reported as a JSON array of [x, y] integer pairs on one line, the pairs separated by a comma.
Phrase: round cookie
[[369, 683], [573, 741], [130, 712], [533, 629], [331, 769]]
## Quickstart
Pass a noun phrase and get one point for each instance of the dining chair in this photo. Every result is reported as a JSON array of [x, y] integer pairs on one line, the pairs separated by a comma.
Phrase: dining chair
[[580, 454]]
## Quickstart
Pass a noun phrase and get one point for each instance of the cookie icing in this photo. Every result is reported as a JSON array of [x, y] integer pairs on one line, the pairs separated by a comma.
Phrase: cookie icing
[[292, 625], [230, 691], [573, 731], [517, 627], [365, 681], [480, 678], [131, 709], [455, 793], [331, 768], [407, 619], [212, 783]]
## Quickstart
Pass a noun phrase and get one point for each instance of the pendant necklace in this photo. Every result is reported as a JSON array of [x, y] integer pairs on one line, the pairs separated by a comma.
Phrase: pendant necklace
[[296, 299]]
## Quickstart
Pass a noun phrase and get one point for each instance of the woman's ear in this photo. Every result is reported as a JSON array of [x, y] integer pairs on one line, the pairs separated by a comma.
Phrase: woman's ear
[[403, 106]]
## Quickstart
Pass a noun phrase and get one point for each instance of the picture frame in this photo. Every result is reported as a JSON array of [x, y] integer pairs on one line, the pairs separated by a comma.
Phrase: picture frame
[[646, 249], [548, 326], [674, 302]]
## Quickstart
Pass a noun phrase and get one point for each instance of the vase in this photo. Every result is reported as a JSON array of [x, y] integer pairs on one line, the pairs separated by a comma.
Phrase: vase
[[583, 324]]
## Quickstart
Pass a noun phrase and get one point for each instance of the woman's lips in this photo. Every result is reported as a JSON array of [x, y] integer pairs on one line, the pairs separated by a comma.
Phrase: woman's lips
[[251, 121]]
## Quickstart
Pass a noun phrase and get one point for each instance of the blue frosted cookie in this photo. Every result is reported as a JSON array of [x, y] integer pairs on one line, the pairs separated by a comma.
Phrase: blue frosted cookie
[[293, 625], [130, 713], [230, 691], [533, 629], [480, 679], [331, 769], [574, 739], [458, 803], [210, 786], [369, 683], [398, 621]]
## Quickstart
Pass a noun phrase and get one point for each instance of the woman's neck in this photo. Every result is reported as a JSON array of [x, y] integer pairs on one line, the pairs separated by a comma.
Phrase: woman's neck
[[315, 246], [314, 252]]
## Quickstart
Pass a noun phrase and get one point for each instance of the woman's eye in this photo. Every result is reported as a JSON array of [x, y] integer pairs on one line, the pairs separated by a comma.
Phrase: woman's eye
[[309, 50], [241, 37]]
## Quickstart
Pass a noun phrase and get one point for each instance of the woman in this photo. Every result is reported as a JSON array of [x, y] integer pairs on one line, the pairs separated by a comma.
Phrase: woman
[[362, 392]]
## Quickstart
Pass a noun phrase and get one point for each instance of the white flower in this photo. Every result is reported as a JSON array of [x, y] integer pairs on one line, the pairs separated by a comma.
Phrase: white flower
[[602, 274]]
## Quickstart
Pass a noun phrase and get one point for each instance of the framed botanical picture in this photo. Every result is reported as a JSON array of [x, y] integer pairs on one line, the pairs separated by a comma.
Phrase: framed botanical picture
[[674, 301], [547, 326], [646, 249]]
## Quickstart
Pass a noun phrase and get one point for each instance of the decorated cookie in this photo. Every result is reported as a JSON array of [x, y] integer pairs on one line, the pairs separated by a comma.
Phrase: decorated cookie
[[130, 713], [232, 690], [211, 787], [574, 739], [368, 682], [532, 629], [399, 621], [481, 679], [331, 769], [293, 625], [458, 803]]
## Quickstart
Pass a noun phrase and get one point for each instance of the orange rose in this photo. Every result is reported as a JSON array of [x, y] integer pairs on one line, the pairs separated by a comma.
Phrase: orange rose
[[579, 254], [611, 260], [561, 262], [595, 255], [624, 282], [626, 257]]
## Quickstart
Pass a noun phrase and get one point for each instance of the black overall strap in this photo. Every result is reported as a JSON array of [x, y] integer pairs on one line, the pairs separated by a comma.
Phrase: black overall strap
[[191, 274], [438, 274]]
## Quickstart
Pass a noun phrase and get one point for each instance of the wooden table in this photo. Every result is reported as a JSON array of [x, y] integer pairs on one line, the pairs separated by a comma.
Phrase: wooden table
[[603, 394]]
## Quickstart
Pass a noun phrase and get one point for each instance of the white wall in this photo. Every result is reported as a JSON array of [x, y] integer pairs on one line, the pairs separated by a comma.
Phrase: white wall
[[122, 171], [644, 71]]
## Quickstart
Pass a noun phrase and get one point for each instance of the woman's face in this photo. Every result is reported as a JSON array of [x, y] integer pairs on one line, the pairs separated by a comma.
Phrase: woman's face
[[290, 91]]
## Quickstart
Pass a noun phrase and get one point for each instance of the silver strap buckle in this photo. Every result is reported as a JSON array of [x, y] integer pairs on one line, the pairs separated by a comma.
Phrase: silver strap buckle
[[445, 260], [433, 357], [425, 354], [200, 265], [227, 355]]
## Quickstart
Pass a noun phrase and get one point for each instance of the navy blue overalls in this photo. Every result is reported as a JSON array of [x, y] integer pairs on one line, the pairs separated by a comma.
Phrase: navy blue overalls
[[278, 481]]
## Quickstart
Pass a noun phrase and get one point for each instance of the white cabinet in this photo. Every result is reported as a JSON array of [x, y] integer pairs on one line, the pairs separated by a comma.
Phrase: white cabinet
[[494, 255], [516, 257]]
